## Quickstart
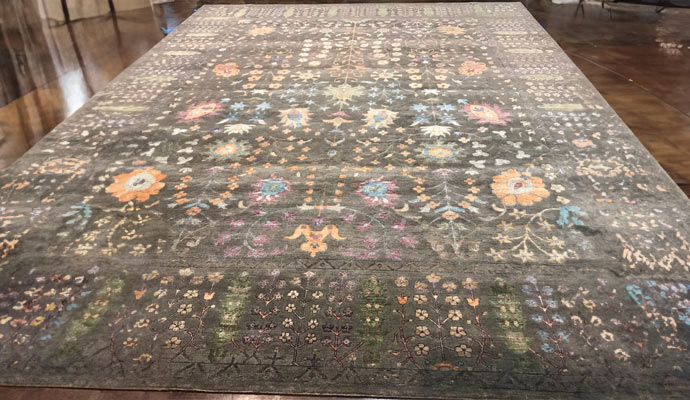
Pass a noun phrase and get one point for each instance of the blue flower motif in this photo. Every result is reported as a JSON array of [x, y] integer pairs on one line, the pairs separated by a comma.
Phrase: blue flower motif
[[536, 317], [543, 334], [447, 107], [558, 318], [237, 106], [551, 303], [273, 187], [547, 290], [375, 189], [448, 119], [532, 303], [263, 106], [546, 348], [419, 107], [421, 119]]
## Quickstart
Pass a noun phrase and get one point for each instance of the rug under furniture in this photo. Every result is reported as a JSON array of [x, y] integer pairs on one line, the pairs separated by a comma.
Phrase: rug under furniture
[[410, 200]]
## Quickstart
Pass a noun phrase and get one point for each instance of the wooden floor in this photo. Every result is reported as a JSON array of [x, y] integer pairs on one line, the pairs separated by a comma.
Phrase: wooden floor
[[637, 58]]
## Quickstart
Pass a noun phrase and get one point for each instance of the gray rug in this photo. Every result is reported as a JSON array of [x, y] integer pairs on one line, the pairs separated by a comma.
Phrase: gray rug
[[387, 200]]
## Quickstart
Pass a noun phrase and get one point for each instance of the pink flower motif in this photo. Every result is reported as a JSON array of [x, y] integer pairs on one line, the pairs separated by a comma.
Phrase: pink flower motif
[[233, 251], [288, 216], [367, 255], [348, 252], [349, 217], [279, 250], [363, 226], [399, 226], [236, 223], [370, 242], [486, 114], [256, 253], [393, 254], [224, 237], [197, 111], [260, 240], [318, 221], [271, 224], [408, 241]]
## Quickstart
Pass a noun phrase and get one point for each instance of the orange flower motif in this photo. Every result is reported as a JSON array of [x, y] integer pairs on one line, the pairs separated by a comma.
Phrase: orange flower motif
[[450, 215], [473, 302], [471, 68], [139, 184], [402, 300], [192, 211], [513, 187], [227, 69]]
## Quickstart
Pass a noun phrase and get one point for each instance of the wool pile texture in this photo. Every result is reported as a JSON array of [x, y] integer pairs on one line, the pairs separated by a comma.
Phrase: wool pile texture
[[423, 200]]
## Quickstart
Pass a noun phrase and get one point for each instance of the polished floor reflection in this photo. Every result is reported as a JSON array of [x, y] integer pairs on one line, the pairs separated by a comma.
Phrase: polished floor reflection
[[49, 70]]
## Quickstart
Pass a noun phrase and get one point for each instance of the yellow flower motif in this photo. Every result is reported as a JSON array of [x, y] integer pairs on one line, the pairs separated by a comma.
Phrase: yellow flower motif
[[145, 357], [464, 351], [457, 331], [261, 30], [295, 117], [607, 336], [455, 315], [588, 303], [470, 284], [450, 30], [422, 331], [621, 355], [433, 278], [379, 118]]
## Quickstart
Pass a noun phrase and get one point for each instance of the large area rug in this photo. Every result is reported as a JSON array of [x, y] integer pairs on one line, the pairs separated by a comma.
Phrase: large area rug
[[402, 200]]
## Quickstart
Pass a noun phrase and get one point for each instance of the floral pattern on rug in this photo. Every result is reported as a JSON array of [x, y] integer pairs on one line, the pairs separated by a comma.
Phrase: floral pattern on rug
[[383, 200]]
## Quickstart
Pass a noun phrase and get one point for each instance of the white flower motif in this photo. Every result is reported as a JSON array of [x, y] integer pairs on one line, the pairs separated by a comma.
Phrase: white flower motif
[[436, 130], [238, 128]]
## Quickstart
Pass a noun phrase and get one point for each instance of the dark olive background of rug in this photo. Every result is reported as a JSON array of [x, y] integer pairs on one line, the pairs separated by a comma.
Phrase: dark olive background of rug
[[400, 199]]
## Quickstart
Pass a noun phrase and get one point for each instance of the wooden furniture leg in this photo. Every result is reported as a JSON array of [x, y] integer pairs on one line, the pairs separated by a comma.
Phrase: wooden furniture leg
[[65, 11]]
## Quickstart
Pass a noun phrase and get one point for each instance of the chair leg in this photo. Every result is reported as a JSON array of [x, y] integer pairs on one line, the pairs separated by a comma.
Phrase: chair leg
[[580, 5], [112, 6], [65, 11]]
